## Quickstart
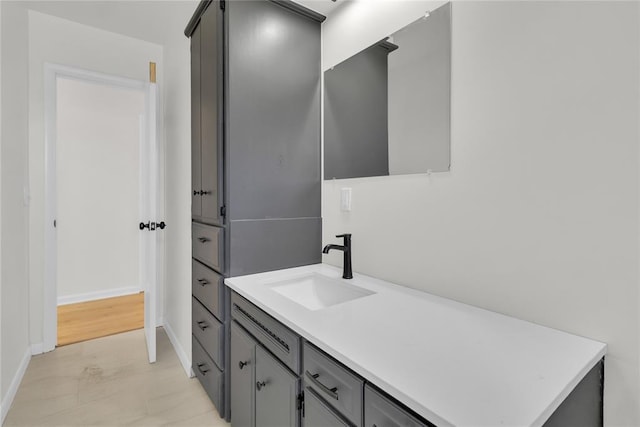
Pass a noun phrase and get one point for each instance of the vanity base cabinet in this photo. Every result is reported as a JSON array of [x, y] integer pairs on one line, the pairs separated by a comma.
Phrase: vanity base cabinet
[[242, 373], [264, 392], [584, 405], [318, 414], [277, 392], [380, 411]]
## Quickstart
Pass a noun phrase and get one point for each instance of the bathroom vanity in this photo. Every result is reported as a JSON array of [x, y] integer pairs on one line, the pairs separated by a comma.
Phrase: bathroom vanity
[[310, 348]]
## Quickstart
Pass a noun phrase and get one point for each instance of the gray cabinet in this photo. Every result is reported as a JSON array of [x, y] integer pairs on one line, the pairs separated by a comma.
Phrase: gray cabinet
[[243, 383], [264, 392], [319, 414], [276, 392], [206, 122], [255, 153], [196, 177], [380, 411], [334, 383]]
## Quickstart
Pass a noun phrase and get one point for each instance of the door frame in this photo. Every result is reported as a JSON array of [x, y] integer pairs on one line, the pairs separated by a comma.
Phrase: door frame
[[50, 294]]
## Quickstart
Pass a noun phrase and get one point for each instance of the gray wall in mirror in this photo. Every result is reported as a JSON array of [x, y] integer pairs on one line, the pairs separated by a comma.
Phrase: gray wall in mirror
[[387, 109]]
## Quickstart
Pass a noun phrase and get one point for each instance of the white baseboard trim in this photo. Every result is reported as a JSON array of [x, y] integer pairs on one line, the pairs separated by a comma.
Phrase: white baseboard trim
[[91, 296], [37, 348], [7, 400], [182, 355]]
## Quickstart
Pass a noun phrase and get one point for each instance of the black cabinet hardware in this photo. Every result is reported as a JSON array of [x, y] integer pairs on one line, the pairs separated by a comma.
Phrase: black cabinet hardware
[[242, 364], [202, 367], [203, 239], [203, 325], [203, 282], [260, 385], [332, 392]]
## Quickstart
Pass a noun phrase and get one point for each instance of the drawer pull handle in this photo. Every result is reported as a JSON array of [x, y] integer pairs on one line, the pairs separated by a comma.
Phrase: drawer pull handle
[[201, 368], [203, 325], [333, 392], [203, 239], [203, 282], [242, 364], [260, 384]]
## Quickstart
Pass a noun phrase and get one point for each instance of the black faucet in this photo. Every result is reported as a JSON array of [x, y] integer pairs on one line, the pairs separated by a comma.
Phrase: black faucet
[[346, 249]]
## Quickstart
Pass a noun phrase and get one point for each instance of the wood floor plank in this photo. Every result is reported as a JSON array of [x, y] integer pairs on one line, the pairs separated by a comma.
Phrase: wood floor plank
[[100, 318]]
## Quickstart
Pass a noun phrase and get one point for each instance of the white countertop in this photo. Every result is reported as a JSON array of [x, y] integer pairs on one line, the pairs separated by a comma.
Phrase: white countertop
[[452, 363]]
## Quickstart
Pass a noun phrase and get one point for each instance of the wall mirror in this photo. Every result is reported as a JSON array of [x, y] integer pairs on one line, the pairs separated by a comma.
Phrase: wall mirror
[[387, 109]]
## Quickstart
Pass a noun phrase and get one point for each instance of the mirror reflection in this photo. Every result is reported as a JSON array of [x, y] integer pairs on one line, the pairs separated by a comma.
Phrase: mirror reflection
[[387, 108]]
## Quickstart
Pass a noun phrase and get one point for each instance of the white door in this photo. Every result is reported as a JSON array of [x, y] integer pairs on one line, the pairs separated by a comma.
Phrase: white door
[[148, 223], [107, 234]]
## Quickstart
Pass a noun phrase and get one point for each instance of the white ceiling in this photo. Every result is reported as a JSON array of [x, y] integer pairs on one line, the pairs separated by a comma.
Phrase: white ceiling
[[156, 21]]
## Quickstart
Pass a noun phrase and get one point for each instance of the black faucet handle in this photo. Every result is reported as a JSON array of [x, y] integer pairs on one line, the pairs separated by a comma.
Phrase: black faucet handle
[[344, 235]]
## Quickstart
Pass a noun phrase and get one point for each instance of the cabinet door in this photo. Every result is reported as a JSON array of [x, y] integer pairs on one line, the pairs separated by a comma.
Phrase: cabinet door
[[210, 103], [319, 414], [196, 180], [276, 393], [243, 385]]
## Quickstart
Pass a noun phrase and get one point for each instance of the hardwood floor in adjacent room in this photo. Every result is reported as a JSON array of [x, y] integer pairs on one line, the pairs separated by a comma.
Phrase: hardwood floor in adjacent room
[[110, 382], [100, 318]]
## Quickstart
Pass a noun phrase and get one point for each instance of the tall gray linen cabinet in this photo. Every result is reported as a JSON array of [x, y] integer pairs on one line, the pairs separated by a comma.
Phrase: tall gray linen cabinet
[[255, 197]]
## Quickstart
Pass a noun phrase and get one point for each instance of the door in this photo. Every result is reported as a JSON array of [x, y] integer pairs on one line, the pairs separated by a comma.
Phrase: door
[[243, 349], [149, 272], [102, 180], [276, 393]]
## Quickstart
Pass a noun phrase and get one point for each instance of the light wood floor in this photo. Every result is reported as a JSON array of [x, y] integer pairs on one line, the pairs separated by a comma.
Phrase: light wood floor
[[100, 318], [110, 382]]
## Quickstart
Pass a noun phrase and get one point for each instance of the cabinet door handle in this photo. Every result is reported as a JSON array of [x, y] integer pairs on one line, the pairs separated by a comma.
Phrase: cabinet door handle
[[201, 368], [203, 282], [332, 392], [242, 364], [203, 239], [203, 325], [260, 385]]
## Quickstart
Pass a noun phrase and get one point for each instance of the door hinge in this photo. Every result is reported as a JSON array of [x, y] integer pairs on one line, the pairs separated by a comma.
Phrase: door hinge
[[301, 403], [223, 211], [222, 4]]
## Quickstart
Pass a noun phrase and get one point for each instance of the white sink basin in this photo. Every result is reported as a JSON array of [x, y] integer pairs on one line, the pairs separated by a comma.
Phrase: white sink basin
[[315, 291]]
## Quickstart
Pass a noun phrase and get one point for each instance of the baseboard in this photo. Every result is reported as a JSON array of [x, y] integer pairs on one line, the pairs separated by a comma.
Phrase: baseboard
[[91, 296], [182, 355], [15, 383], [37, 348]]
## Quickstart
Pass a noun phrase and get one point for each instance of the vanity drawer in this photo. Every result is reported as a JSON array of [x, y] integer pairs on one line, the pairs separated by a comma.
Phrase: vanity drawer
[[380, 411], [208, 374], [334, 383], [207, 243], [208, 331], [280, 340], [319, 414], [208, 287]]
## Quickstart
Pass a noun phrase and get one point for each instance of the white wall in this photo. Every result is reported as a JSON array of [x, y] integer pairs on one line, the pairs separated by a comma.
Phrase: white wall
[[64, 42], [14, 340], [98, 189], [538, 217]]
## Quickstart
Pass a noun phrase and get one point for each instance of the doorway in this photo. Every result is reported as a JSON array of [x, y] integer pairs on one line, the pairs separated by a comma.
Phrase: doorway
[[101, 182]]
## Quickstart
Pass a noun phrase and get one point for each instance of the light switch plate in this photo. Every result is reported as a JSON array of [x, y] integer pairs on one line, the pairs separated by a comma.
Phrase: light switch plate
[[345, 199]]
